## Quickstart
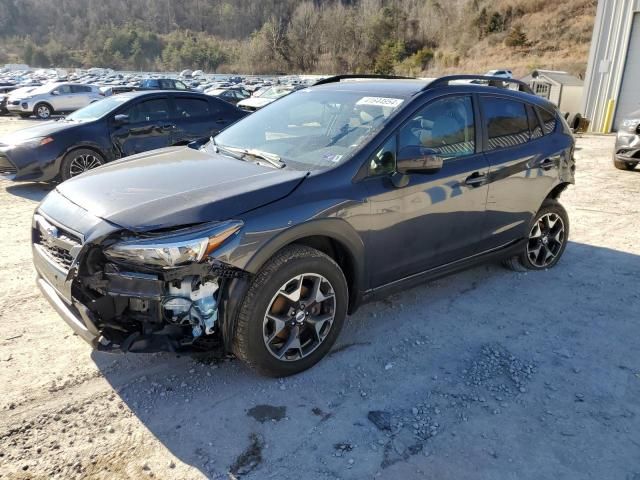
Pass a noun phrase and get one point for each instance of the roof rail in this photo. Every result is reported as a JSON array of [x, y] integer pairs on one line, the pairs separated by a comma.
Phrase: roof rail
[[337, 78], [492, 81]]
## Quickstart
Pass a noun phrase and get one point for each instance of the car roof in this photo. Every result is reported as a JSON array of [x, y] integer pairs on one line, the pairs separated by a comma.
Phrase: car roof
[[395, 87], [145, 93], [408, 88]]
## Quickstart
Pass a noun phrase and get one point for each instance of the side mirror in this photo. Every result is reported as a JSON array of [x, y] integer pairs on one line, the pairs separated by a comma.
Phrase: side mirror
[[55, 92], [121, 119], [418, 159]]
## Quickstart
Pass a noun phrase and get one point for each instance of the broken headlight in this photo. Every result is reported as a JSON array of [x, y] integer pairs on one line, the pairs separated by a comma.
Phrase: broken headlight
[[175, 249]]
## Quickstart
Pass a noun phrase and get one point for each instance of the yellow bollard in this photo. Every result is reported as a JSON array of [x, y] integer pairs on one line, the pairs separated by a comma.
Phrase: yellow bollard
[[608, 116]]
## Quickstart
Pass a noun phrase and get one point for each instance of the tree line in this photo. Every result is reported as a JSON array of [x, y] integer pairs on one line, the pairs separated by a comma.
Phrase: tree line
[[265, 36]]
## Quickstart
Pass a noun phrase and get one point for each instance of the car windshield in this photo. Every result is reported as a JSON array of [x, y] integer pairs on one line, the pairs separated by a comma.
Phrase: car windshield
[[97, 109], [314, 129]]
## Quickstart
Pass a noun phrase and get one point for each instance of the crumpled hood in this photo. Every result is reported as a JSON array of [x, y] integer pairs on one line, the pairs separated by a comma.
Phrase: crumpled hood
[[177, 186]]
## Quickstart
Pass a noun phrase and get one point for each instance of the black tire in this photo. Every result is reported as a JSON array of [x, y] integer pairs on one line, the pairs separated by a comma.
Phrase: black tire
[[249, 344], [43, 111], [70, 167], [622, 165], [528, 260]]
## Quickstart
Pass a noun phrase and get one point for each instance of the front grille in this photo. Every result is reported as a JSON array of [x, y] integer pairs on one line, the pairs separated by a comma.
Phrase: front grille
[[6, 167], [56, 243], [59, 255]]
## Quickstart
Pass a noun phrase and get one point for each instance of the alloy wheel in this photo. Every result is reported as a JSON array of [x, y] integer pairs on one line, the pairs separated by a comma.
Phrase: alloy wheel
[[82, 163], [299, 317], [43, 111], [546, 240]]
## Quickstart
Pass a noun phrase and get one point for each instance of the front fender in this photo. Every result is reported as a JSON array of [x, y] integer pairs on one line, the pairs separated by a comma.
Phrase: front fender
[[336, 229]]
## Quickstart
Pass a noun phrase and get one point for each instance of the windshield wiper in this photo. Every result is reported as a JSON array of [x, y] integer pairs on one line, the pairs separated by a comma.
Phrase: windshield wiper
[[270, 158]]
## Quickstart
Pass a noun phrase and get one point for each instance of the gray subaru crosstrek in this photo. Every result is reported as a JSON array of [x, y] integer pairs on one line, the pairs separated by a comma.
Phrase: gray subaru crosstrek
[[267, 236]]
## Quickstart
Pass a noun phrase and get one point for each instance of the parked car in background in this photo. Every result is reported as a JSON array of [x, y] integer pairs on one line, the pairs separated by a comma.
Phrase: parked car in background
[[5, 98], [273, 93], [5, 91], [116, 89], [626, 155], [500, 73], [268, 235], [162, 84], [52, 98], [112, 128], [231, 95]]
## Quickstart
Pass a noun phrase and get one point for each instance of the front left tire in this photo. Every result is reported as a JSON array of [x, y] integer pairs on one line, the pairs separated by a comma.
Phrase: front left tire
[[292, 313], [43, 111], [79, 161]]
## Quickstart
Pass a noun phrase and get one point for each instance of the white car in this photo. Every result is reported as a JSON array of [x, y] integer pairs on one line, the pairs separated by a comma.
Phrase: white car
[[53, 98], [256, 103], [499, 73]]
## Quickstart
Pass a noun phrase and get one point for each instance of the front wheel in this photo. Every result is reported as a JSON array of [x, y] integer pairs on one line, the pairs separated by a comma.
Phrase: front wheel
[[292, 312], [79, 161], [548, 236], [42, 111]]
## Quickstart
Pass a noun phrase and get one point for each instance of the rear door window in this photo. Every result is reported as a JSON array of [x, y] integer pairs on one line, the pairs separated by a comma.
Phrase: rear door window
[[548, 120], [80, 89], [149, 110], [191, 107], [506, 122]]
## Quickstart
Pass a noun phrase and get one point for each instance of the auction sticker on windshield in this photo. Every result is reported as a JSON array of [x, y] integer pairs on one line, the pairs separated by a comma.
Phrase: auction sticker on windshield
[[380, 101]]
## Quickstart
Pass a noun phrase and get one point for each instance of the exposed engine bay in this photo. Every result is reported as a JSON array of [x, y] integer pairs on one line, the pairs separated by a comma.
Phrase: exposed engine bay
[[145, 311]]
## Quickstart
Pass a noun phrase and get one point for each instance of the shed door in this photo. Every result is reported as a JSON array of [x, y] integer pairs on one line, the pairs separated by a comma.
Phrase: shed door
[[629, 98]]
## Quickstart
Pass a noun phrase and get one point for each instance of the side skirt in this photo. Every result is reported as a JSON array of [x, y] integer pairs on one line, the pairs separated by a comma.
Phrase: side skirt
[[498, 253]]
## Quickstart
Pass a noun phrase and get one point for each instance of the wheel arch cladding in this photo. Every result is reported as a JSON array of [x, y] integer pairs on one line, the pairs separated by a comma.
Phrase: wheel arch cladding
[[557, 191], [47, 104], [334, 237]]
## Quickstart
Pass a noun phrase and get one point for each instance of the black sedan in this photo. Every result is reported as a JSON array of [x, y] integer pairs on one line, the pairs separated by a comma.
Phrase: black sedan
[[109, 129]]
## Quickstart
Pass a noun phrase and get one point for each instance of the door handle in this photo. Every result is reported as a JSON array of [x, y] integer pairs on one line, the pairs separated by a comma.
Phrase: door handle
[[476, 179], [221, 121], [167, 126], [546, 164]]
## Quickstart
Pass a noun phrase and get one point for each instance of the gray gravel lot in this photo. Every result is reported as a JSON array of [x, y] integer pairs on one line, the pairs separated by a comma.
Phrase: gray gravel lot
[[487, 374]]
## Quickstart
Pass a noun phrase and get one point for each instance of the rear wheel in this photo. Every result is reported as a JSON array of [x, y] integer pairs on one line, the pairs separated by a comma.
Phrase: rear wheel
[[43, 111], [292, 313], [623, 165], [79, 161], [548, 236]]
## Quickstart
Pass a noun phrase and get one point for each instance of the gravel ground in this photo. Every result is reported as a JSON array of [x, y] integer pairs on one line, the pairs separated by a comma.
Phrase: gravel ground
[[487, 374]]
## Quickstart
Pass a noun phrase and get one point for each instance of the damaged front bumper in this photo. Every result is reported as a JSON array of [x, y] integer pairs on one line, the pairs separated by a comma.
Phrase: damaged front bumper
[[120, 308]]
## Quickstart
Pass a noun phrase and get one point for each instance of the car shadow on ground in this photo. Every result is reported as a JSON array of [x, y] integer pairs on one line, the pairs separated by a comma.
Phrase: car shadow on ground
[[30, 191], [219, 416]]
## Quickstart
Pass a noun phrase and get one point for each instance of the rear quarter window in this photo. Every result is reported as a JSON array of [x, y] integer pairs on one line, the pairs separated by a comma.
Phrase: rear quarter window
[[549, 120]]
